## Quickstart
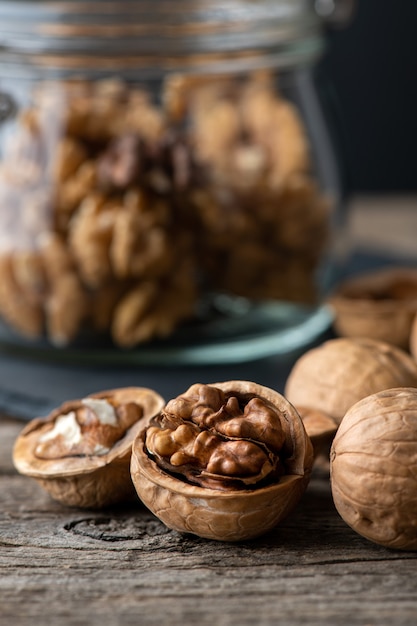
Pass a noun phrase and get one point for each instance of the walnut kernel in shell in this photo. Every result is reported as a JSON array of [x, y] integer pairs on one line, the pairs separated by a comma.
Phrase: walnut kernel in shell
[[81, 452], [194, 467], [373, 461]]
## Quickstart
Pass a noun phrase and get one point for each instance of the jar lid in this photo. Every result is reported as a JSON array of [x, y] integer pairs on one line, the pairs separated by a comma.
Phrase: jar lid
[[160, 32]]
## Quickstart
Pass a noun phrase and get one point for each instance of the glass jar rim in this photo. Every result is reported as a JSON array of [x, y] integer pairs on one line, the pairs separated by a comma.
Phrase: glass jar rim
[[159, 31]]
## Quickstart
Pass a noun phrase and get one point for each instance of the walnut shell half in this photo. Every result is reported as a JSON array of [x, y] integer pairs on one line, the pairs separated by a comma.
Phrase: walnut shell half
[[321, 429], [373, 468], [82, 460], [205, 504], [380, 305]]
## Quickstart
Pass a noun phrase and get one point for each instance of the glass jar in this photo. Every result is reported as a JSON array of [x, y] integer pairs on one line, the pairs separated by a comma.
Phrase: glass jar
[[168, 185]]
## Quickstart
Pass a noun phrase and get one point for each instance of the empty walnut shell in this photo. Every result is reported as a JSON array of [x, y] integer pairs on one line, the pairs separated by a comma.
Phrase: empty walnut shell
[[86, 465], [333, 376], [373, 468], [380, 305], [203, 504]]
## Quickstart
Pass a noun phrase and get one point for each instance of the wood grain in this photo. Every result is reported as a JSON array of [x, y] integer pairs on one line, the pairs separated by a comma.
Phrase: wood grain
[[72, 567]]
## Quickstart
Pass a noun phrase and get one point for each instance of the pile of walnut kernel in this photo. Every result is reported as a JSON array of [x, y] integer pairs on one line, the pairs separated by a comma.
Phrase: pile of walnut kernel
[[116, 212]]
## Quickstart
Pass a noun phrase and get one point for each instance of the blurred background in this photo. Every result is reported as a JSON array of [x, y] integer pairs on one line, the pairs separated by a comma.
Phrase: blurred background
[[372, 66]]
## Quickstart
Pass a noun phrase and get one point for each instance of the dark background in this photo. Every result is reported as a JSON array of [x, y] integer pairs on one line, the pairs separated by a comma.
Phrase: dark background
[[372, 66]]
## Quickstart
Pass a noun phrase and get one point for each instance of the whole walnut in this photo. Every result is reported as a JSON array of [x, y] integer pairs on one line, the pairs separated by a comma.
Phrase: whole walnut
[[333, 376], [373, 468]]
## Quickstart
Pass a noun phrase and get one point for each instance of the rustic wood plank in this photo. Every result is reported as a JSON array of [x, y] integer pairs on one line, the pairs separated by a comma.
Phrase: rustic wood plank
[[71, 567]]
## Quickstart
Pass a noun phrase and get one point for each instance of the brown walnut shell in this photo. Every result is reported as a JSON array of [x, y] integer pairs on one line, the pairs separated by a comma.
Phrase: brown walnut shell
[[321, 429], [413, 338], [88, 481], [236, 514], [373, 461], [380, 305], [333, 376]]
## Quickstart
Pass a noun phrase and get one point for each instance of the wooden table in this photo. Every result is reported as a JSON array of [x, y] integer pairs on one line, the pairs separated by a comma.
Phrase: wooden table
[[122, 566], [63, 566]]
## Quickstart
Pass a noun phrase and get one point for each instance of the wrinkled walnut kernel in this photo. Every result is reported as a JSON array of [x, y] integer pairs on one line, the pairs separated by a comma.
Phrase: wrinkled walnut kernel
[[219, 440], [153, 309]]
